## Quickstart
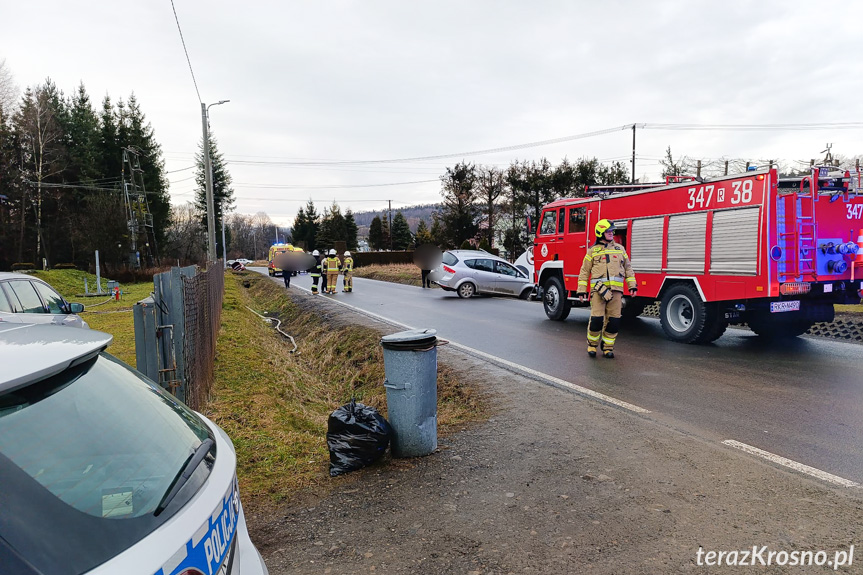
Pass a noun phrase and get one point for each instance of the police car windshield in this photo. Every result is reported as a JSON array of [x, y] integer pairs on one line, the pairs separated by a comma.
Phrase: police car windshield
[[85, 458]]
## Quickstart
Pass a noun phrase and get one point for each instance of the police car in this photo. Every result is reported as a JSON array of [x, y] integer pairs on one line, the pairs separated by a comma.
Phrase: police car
[[103, 472]]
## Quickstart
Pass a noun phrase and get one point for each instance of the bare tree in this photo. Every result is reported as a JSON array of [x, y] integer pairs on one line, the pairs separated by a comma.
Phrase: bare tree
[[41, 137], [491, 183], [186, 234], [8, 90]]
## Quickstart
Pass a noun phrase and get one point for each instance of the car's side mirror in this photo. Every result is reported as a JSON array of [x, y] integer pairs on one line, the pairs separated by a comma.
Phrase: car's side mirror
[[76, 307]]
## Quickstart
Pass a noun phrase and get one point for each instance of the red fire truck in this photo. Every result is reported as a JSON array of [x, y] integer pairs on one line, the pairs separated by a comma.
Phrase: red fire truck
[[775, 253]]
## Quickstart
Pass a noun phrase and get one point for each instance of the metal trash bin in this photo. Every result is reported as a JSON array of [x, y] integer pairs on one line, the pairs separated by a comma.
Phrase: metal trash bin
[[410, 367]]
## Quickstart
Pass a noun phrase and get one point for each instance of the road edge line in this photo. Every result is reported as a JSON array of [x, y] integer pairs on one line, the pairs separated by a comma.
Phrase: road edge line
[[550, 379], [791, 464]]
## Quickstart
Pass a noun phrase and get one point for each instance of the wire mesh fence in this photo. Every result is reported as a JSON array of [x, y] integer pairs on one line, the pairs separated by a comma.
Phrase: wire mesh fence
[[202, 304]]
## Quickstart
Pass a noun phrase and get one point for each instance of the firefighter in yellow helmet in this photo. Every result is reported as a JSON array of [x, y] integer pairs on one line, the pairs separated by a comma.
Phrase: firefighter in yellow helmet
[[606, 266], [332, 265], [348, 271]]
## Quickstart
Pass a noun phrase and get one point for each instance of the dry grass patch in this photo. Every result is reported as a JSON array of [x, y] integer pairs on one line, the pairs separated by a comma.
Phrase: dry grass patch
[[397, 273], [275, 404]]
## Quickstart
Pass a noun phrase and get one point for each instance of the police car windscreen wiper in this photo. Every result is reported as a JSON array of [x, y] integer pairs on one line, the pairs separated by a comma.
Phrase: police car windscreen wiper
[[185, 473]]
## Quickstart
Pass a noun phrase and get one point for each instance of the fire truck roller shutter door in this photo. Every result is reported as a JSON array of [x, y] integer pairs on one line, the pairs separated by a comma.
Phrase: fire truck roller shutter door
[[646, 245], [734, 242], [686, 243]]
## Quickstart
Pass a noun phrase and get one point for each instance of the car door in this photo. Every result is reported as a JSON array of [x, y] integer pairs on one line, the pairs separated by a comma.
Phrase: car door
[[482, 270], [510, 280], [58, 308], [26, 302], [7, 311]]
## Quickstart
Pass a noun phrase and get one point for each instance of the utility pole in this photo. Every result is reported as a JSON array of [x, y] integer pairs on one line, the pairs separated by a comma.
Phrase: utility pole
[[390, 222], [633, 153], [224, 245], [208, 176]]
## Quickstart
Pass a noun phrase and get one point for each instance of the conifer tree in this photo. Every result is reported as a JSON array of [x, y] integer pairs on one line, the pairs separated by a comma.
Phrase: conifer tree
[[401, 233]]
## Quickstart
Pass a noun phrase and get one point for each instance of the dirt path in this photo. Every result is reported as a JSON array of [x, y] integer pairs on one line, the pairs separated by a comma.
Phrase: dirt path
[[555, 483]]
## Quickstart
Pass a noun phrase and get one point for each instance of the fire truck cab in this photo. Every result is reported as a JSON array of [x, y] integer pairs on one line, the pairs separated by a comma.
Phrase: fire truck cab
[[749, 248]]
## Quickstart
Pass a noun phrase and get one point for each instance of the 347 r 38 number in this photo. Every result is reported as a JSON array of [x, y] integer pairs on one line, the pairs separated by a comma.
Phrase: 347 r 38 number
[[741, 193]]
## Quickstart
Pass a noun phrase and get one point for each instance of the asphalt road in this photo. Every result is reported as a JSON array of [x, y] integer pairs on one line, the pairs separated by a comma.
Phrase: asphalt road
[[801, 399]]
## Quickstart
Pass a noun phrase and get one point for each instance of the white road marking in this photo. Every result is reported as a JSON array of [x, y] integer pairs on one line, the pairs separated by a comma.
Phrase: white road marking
[[823, 475], [512, 365]]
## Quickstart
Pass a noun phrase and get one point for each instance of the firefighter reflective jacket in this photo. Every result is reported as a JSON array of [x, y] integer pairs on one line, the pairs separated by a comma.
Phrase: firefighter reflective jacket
[[315, 270], [609, 264], [348, 265], [332, 265]]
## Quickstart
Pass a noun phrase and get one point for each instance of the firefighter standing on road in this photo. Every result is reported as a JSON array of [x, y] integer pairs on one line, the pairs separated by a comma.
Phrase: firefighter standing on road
[[348, 271], [332, 266], [606, 265], [315, 271]]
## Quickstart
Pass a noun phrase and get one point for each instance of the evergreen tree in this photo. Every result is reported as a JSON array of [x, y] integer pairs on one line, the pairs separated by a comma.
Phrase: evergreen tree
[[223, 193], [140, 136], [401, 233], [310, 230], [423, 235], [460, 213], [110, 154], [332, 228], [376, 234], [386, 239], [298, 230], [81, 127], [351, 229]]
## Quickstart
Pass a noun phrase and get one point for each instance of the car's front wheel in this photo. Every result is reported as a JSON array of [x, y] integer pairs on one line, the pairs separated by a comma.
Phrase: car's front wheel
[[466, 290]]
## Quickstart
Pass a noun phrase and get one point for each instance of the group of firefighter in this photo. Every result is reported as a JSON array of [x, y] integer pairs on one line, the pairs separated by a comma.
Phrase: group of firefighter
[[329, 267]]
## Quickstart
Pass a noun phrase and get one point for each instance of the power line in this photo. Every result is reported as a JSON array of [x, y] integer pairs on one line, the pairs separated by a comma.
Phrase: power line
[[183, 40], [180, 170], [757, 127], [440, 156], [333, 187]]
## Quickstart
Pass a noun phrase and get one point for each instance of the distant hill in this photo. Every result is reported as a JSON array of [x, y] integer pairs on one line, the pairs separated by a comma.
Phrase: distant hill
[[413, 214]]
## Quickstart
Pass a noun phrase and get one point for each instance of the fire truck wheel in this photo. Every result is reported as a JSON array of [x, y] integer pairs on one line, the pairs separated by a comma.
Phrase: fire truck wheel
[[556, 305], [773, 328], [466, 290], [683, 316]]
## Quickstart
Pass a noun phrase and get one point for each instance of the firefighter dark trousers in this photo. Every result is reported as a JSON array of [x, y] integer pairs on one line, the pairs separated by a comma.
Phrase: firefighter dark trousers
[[315, 279], [604, 321]]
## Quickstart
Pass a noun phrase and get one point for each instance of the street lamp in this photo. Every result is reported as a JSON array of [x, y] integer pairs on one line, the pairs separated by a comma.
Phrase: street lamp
[[208, 175]]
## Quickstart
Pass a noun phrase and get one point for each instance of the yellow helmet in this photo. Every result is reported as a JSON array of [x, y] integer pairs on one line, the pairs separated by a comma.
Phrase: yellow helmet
[[603, 226]]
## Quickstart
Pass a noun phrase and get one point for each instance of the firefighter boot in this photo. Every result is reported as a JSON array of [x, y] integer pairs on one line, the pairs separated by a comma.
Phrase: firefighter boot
[[609, 336], [594, 332]]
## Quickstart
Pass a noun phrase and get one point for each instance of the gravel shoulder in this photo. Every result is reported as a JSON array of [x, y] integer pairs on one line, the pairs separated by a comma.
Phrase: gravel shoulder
[[554, 483]]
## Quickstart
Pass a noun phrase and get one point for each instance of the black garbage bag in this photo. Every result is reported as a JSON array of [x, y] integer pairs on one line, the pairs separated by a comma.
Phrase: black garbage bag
[[357, 435]]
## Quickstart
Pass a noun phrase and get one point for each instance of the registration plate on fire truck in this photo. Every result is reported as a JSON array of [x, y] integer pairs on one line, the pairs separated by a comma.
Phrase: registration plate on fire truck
[[780, 306]]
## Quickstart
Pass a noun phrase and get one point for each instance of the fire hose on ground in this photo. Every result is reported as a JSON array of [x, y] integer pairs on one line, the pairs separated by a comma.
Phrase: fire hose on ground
[[278, 328]]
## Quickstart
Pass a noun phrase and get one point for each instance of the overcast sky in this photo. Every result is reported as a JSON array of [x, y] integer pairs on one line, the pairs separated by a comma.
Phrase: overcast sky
[[381, 80]]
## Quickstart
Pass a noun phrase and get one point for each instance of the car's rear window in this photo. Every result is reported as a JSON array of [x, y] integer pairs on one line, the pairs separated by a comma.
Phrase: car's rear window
[[449, 259], [87, 456]]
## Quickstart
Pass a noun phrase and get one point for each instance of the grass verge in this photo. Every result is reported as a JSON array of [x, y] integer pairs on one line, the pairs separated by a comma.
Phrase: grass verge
[[275, 404], [102, 313], [397, 273]]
